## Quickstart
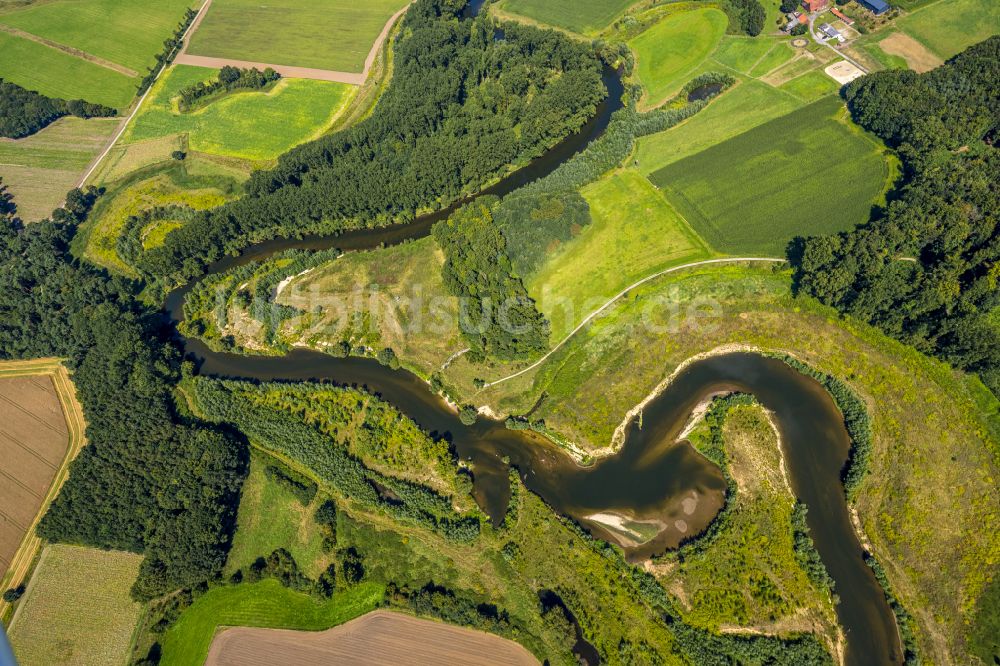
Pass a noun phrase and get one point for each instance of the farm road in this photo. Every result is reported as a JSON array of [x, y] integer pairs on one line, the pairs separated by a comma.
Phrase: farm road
[[353, 78]]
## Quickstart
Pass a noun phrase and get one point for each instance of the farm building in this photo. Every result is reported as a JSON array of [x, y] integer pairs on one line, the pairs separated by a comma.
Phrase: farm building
[[830, 31], [876, 6], [815, 5], [842, 16]]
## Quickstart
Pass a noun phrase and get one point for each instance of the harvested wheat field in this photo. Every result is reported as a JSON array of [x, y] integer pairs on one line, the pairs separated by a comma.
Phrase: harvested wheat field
[[380, 637]]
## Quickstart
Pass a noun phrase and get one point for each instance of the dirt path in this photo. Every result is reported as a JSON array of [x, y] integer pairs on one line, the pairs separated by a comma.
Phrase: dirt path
[[76, 53], [352, 78], [22, 560], [621, 293]]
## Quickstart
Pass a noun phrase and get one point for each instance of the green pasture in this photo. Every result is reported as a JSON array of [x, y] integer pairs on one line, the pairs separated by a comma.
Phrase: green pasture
[[583, 16], [40, 169], [324, 34], [806, 173], [743, 107], [779, 54], [126, 32], [667, 53], [634, 233], [57, 74], [742, 53], [251, 125], [263, 604], [948, 27], [77, 609], [811, 85]]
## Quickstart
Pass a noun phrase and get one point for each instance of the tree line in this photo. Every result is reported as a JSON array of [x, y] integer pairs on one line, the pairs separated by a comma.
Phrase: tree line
[[229, 79], [924, 269], [24, 112], [461, 109]]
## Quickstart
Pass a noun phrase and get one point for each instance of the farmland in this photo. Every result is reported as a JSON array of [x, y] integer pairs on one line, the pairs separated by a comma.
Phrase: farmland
[[950, 26], [667, 53], [805, 173], [634, 232], [57, 74], [41, 168], [263, 604], [255, 126], [77, 609], [379, 637], [324, 34], [583, 16]]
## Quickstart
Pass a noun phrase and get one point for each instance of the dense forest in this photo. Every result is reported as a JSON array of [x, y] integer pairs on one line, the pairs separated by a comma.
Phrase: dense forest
[[461, 108], [24, 112], [148, 481], [925, 269]]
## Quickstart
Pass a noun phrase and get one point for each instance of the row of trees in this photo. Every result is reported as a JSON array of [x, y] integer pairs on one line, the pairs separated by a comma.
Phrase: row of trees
[[461, 109], [24, 112], [925, 269], [171, 46], [229, 79], [149, 480]]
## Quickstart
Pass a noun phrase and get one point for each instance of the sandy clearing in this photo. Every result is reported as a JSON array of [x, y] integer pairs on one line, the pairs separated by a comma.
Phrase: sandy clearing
[[917, 56], [378, 638], [844, 72]]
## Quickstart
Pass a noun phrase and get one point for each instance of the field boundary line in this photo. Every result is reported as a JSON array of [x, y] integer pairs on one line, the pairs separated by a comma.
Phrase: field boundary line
[[290, 71], [69, 50], [21, 562], [621, 293]]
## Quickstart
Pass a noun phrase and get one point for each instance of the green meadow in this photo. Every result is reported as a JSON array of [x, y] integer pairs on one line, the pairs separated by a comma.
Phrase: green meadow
[[57, 74], [583, 16], [811, 85], [806, 173], [249, 125], [667, 53], [634, 232], [325, 34], [125, 32], [949, 27]]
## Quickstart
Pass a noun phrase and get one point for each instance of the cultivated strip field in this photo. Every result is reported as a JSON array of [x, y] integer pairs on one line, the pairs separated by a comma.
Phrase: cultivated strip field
[[584, 16], [41, 430], [380, 637], [77, 609]]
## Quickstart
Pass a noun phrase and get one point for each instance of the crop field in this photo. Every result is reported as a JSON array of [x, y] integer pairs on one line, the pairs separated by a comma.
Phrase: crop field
[[324, 34], [34, 441], [380, 637], [947, 28], [264, 604], [41, 168], [249, 125], [583, 16], [669, 51], [57, 74], [806, 173], [634, 232], [270, 517], [127, 33], [77, 609], [743, 107]]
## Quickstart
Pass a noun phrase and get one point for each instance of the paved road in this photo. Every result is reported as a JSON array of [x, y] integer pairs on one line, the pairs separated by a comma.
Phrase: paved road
[[353, 78], [826, 43], [621, 293]]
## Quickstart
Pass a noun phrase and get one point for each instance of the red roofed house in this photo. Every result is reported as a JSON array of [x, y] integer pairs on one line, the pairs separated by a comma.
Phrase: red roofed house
[[841, 15], [815, 5]]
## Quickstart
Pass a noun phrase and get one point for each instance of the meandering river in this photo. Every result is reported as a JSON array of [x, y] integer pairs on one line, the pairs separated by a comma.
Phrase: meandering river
[[660, 485]]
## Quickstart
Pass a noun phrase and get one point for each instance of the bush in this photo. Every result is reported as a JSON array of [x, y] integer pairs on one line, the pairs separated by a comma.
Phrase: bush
[[14, 593], [468, 415], [178, 155], [303, 488]]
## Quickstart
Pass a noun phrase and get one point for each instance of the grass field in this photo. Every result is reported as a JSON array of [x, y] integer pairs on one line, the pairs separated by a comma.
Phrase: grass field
[[811, 86], [381, 636], [667, 53], [325, 34], [270, 517], [936, 431], [806, 173], [264, 604], [742, 53], [583, 16], [634, 232], [77, 609], [42, 168], [749, 576], [58, 74], [948, 27], [248, 125], [743, 107], [124, 32]]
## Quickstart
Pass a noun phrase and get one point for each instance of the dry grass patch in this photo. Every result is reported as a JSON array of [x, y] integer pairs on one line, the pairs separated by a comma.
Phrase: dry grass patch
[[917, 56]]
